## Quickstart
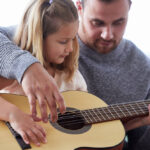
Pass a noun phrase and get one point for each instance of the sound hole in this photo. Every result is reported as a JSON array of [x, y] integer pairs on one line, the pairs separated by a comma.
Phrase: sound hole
[[71, 120]]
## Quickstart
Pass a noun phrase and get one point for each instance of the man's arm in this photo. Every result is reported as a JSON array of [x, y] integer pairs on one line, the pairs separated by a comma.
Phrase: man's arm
[[13, 60]]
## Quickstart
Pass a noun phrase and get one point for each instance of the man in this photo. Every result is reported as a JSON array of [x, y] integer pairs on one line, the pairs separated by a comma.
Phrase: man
[[36, 82], [114, 68]]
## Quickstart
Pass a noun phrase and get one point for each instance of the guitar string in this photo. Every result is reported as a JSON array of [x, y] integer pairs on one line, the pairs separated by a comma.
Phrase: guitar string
[[81, 121], [99, 110], [116, 105], [75, 122], [111, 106], [69, 116], [106, 109]]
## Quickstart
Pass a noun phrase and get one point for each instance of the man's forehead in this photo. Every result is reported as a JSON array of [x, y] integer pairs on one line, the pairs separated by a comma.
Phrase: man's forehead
[[104, 1], [107, 13], [99, 4]]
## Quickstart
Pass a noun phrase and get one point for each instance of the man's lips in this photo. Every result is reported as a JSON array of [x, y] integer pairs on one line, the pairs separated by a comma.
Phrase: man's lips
[[105, 43]]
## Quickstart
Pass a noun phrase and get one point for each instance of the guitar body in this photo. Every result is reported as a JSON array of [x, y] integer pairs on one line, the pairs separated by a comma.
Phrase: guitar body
[[107, 135]]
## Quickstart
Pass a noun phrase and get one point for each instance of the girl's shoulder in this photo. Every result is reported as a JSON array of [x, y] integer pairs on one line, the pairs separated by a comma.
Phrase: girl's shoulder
[[76, 83]]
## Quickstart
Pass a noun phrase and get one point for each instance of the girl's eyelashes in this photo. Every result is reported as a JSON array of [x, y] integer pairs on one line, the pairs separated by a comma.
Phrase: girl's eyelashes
[[63, 42], [66, 41]]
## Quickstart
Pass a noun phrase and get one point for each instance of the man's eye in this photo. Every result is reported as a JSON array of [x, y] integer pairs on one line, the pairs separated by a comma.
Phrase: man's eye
[[97, 23], [118, 22]]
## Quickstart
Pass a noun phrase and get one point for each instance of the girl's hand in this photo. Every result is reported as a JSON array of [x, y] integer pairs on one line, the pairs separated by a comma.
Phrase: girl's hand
[[27, 128]]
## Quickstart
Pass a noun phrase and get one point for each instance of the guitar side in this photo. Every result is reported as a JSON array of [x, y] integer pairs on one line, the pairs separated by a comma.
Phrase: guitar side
[[107, 135]]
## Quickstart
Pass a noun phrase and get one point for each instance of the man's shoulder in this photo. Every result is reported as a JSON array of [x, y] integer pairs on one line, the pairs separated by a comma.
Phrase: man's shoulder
[[134, 49], [134, 53], [8, 31]]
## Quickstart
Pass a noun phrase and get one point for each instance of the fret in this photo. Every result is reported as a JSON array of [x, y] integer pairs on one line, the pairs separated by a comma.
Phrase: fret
[[131, 106], [109, 113], [127, 110], [140, 108], [146, 105], [106, 115], [112, 111], [99, 112], [92, 116], [116, 113], [98, 119], [86, 117], [98, 115], [124, 115]]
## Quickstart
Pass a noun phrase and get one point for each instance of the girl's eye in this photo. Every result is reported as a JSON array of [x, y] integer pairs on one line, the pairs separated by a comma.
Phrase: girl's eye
[[63, 42]]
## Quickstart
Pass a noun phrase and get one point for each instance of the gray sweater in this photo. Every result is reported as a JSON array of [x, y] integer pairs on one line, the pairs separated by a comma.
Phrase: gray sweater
[[120, 76], [13, 60]]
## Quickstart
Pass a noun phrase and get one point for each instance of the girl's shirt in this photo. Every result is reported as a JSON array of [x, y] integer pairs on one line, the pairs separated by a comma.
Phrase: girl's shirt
[[76, 83]]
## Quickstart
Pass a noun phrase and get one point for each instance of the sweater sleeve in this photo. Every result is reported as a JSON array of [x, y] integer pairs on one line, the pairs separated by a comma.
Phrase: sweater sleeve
[[13, 60]]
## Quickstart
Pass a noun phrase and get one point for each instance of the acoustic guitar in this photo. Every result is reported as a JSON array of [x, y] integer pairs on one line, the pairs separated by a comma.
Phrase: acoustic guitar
[[88, 124]]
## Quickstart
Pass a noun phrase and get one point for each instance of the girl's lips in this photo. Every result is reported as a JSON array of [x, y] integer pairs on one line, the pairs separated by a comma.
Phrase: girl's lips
[[64, 55]]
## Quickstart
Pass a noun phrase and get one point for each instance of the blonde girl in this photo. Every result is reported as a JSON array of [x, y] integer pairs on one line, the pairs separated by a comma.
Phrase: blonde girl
[[48, 30]]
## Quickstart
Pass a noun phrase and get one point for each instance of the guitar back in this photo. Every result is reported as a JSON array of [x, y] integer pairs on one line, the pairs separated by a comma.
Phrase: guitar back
[[107, 135]]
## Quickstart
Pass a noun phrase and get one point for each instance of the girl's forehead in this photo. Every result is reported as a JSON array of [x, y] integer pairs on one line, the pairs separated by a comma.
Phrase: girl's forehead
[[68, 29]]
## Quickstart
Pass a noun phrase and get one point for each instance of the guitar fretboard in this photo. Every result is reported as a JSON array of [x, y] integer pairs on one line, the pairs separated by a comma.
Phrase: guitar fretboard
[[116, 112]]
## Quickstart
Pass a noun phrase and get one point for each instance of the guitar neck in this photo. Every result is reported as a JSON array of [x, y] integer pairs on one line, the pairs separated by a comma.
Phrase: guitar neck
[[123, 111]]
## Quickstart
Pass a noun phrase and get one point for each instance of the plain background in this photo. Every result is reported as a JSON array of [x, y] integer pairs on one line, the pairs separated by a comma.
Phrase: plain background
[[138, 28]]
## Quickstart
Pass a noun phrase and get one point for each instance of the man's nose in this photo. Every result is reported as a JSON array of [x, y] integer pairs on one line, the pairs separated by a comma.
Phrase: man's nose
[[107, 33]]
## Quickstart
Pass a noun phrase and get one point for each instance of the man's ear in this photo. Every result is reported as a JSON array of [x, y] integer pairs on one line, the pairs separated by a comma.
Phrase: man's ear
[[79, 5]]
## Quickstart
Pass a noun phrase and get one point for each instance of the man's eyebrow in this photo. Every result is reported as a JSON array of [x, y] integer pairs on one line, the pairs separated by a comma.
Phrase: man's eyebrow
[[103, 22], [97, 20], [120, 19]]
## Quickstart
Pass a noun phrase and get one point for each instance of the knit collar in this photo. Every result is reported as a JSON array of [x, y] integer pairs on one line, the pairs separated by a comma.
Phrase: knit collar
[[113, 55]]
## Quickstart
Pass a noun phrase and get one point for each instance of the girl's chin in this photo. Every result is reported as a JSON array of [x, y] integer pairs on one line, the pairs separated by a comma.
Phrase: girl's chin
[[60, 61]]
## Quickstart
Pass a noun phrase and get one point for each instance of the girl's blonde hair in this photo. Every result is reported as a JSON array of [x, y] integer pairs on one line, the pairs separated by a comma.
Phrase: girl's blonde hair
[[42, 18]]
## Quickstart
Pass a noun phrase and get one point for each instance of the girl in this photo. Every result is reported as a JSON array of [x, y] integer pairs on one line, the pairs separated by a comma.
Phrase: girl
[[48, 31]]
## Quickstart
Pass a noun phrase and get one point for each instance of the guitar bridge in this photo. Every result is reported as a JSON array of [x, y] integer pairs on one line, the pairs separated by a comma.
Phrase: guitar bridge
[[17, 136]]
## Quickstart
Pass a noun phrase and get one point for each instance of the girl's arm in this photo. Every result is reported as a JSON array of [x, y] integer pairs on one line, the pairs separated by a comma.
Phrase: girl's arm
[[22, 123], [10, 86]]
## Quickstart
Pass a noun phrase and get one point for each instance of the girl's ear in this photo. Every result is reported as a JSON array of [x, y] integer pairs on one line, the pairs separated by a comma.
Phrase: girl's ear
[[79, 5]]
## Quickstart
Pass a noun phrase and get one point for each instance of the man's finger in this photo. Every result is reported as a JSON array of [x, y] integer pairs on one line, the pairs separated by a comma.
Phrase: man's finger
[[32, 103], [43, 107], [53, 108], [60, 101]]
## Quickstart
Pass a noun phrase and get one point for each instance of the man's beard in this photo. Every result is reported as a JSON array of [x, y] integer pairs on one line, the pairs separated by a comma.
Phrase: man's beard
[[104, 48], [95, 44]]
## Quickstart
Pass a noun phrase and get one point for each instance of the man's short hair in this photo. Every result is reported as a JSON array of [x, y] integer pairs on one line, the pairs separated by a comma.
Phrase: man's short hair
[[105, 1]]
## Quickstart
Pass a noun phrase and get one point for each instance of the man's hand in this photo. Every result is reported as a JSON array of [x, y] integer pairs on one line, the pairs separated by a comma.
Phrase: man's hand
[[138, 122], [39, 86]]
